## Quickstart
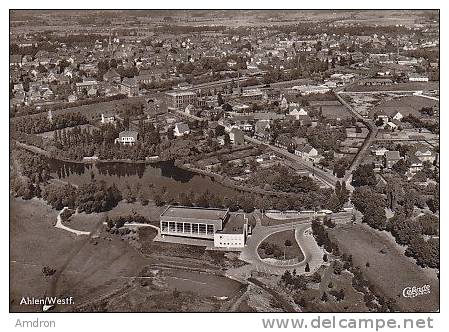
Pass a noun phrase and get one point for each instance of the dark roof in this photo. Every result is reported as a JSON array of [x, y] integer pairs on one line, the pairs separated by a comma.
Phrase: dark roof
[[129, 81], [234, 225], [128, 133], [182, 127], [392, 155]]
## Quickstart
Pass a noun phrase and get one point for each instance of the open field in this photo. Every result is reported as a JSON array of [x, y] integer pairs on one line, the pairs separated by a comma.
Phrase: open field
[[93, 111], [106, 267], [50, 134], [330, 283], [390, 272], [267, 221], [165, 289], [406, 105], [277, 241], [406, 86], [84, 221], [87, 269]]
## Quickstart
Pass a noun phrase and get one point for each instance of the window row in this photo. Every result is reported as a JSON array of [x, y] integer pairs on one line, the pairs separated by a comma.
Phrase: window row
[[185, 227]]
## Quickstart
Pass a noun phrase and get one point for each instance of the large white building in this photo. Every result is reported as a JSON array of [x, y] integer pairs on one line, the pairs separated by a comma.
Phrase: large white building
[[225, 229], [234, 233]]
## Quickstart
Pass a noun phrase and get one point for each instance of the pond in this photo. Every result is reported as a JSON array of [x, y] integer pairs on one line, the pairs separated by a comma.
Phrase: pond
[[148, 176]]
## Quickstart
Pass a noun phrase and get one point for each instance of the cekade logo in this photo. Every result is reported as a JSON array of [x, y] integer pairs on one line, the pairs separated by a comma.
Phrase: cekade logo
[[416, 291]]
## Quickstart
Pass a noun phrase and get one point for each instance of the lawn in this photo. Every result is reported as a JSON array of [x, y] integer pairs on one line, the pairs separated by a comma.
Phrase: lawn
[[406, 86], [84, 221], [331, 282], [390, 271], [89, 268], [274, 246], [93, 111]]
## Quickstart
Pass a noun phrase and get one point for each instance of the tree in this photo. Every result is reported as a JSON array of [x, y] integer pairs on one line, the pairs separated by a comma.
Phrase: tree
[[364, 176], [375, 217], [324, 297], [401, 166], [227, 139], [287, 243], [379, 122], [365, 198], [342, 193], [220, 100], [307, 268], [338, 267]]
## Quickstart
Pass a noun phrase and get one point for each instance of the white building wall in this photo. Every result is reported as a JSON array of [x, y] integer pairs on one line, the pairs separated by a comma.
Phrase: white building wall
[[222, 240]]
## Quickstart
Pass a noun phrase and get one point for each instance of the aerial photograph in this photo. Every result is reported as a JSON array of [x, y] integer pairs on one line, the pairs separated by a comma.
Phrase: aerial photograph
[[252, 161]]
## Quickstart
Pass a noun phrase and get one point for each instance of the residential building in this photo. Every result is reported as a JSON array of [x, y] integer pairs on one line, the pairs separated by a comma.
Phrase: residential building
[[112, 76], [127, 137], [415, 165], [415, 77], [129, 87], [307, 152], [236, 136], [391, 158], [86, 85], [181, 129], [108, 117], [424, 153]]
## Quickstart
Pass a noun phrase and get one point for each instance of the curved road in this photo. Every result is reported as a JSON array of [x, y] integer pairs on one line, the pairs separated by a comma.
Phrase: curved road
[[312, 252]]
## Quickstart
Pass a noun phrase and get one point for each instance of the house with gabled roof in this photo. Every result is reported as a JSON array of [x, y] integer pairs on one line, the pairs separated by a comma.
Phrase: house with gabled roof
[[391, 158], [181, 129], [127, 137]]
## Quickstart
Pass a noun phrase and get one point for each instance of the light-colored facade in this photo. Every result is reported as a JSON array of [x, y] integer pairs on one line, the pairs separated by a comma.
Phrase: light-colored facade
[[222, 240], [225, 229], [85, 85], [234, 234], [192, 222], [179, 100], [127, 137]]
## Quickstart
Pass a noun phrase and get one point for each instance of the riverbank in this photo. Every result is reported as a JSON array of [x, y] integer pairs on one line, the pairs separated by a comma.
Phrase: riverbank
[[187, 167], [90, 161], [227, 183]]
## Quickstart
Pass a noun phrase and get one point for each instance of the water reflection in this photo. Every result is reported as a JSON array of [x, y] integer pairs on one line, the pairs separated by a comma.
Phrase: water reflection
[[159, 175]]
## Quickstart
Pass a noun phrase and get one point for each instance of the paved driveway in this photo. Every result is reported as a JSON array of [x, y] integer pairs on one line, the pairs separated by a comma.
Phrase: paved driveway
[[312, 252]]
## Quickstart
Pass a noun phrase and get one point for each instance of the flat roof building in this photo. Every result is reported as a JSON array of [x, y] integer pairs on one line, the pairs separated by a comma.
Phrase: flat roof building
[[234, 233], [225, 229], [192, 221]]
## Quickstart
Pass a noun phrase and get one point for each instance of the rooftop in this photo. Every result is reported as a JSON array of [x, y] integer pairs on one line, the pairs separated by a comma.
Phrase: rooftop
[[234, 225], [180, 93], [186, 212]]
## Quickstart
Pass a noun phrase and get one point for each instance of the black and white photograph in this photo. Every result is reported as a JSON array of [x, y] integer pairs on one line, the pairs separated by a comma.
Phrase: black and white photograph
[[224, 161]]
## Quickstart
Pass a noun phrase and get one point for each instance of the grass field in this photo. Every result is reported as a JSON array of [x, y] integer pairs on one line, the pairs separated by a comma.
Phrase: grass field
[[93, 111], [407, 104], [391, 271], [352, 302], [89, 269], [86, 222], [406, 86], [277, 240], [267, 221]]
